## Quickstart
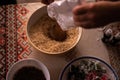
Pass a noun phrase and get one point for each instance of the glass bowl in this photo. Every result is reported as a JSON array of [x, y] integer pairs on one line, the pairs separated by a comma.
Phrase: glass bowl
[[88, 68]]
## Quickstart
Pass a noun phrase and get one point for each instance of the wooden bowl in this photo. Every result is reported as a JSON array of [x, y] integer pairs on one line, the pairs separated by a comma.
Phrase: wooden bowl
[[32, 21]]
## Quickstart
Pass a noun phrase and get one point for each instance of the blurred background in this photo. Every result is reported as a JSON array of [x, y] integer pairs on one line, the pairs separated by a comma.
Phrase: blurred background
[[6, 2]]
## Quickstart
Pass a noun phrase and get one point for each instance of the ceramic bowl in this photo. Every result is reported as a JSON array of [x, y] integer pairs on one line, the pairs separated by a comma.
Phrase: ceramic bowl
[[33, 19], [88, 68], [27, 62]]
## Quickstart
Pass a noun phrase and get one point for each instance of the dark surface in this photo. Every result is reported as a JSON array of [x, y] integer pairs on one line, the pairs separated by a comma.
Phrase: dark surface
[[29, 73], [6, 2]]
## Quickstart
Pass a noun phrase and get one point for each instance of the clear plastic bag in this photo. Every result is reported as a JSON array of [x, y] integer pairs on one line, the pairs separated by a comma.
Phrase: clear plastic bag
[[61, 11]]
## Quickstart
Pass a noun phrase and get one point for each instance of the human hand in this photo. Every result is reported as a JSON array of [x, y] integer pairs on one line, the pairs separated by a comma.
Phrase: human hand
[[92, 15]]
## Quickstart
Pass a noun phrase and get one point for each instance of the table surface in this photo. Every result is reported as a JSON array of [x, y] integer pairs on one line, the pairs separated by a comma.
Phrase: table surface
[[87, 46], [90, 44]]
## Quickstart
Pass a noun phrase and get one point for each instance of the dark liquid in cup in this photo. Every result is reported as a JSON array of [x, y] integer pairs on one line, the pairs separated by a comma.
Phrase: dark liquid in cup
[[29, 73]]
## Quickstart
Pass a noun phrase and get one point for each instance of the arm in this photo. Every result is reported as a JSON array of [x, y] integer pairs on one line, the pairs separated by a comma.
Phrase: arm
[[92, 15]]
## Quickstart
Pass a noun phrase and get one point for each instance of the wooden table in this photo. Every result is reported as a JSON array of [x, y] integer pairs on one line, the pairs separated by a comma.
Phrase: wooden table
[[15, 47], [90, 44]]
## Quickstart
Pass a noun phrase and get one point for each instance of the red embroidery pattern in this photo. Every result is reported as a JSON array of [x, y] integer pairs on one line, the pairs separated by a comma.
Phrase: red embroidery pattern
[[13, 40]]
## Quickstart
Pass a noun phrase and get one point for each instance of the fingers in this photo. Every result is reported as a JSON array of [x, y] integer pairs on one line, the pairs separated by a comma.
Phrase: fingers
[[79, 18], [80, 9], [88, 16], [83, 16], [80, 14], [86, 24]]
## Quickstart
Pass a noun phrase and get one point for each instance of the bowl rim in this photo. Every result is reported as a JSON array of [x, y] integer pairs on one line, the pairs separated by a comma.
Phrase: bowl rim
[[41, 65], [89, 57], [33, 45]]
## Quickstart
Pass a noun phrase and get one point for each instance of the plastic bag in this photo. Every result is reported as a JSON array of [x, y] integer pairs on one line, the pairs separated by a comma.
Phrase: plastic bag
[[61, 11]]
